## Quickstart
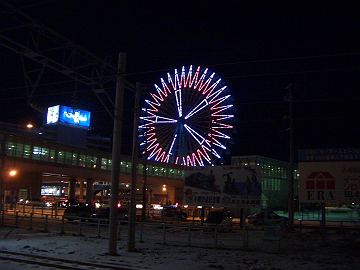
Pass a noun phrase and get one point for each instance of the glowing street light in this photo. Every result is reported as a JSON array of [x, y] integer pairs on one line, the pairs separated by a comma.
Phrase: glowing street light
[[13, 173], [29, 125]]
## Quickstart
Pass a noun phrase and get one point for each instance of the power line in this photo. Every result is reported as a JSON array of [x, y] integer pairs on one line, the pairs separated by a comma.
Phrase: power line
[[271, 60]]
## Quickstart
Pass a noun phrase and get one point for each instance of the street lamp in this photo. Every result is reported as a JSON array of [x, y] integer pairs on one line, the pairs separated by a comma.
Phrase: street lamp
[[13, 172]]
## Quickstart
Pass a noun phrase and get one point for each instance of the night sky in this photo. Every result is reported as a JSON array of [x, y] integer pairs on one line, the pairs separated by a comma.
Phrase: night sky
[[257, 49]]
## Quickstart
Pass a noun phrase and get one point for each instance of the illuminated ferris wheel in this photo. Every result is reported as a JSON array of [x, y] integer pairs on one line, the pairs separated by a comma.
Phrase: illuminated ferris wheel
[[187, 118]]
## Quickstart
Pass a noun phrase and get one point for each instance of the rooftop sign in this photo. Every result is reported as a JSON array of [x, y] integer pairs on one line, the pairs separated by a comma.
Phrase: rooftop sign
[[68, 116]]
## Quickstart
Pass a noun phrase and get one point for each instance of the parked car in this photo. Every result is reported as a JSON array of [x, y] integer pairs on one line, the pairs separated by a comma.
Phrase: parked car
[[267, 217], [104, 213], [80, 211], [173, 212], [220, 219]]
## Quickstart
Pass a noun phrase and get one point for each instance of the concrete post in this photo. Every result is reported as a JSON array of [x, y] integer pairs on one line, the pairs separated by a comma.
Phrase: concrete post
[[116, 150]]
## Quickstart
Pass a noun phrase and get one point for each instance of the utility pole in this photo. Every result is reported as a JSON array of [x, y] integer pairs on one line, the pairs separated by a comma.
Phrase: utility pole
[[116, 148], [144, 188], [134, 161], [2, 173], [291, 157]]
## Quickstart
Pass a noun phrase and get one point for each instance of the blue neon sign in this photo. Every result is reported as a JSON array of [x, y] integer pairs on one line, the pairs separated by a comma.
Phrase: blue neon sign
[[68, 116]]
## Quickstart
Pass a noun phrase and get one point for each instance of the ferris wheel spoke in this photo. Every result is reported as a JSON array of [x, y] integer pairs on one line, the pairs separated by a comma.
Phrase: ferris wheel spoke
[[197, 108], [200, 139], [178, 101], [158, 119], [172, 144], [164, 120]]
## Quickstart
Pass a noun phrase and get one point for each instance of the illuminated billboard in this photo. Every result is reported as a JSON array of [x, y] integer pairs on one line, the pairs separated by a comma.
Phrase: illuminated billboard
[[50, 191], [68, 116]]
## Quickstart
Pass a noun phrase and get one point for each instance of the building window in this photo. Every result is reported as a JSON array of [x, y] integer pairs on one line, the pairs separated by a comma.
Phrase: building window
[[82, 162], [90, 161], [74, 160], [68, 158], [44, 154], [109, 164], [61, 157], [19, 150], [52, 155], [104, 163], [10, 148], [36, 152], [27, 151]]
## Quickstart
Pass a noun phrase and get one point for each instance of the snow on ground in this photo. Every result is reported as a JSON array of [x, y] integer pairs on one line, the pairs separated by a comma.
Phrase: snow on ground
[[304, 251]]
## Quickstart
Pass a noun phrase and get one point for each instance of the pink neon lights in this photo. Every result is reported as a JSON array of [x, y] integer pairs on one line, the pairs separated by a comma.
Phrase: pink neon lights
[[187, 118]]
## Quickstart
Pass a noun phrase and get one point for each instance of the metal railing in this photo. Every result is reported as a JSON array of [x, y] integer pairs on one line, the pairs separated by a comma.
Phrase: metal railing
[[35, 208], [166, 233], [184, 234]]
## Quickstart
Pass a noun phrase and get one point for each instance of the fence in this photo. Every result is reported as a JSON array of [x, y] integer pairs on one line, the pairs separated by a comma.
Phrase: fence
[[167, 233], [36, 209], [149, 232]]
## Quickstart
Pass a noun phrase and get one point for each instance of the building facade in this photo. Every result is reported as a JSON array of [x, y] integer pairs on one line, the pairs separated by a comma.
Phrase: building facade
[[274, 179], [330, 176], [43, 167]]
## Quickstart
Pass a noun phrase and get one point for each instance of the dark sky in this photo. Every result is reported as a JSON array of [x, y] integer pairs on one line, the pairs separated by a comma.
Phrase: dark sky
[[257, 49]]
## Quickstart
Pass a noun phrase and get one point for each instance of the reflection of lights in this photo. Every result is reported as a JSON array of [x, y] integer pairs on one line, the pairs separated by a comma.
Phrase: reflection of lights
[[139, 206], [29, 125], [164, 188], [13, 172]]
